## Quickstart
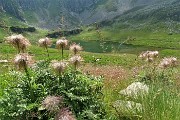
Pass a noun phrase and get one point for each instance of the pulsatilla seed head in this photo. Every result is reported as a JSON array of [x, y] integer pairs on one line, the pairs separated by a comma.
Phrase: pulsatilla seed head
[[75, 48], [22, 60], [76, 60], [19, 42], [59, 67], [168, 62], [51, 103], [61, 43], [64, 114], [45, 42]]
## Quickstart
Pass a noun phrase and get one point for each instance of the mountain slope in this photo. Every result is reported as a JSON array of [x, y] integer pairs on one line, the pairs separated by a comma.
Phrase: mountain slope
[[49, 14]]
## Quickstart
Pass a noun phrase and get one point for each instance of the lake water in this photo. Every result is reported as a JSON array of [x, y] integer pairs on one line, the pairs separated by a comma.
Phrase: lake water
[[110, 47]]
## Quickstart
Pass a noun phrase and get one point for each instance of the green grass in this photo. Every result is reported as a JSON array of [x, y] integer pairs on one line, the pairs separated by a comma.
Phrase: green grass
[[126, 60], [144, 39]]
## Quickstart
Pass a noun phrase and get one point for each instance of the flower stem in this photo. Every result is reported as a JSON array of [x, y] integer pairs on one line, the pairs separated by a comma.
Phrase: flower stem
[[47, 53], [62, 53]]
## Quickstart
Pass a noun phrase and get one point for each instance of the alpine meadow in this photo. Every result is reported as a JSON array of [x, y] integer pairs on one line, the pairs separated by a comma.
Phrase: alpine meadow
[[89, 59]]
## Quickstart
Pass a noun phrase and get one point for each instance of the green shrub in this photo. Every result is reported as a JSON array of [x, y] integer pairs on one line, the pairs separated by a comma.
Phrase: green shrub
[[81, 94]]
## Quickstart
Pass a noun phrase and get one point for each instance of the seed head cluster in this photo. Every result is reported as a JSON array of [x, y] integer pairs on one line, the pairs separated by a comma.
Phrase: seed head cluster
[[51, 103], [22, 60], [45, 42], [76, 60], [59, 67], [149, 55], [168, 62], [61, 43], [65, 114], [19, 42], [75, 48]]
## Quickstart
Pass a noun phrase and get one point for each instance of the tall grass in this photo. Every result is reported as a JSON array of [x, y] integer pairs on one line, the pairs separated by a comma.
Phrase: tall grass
[[162, 102]]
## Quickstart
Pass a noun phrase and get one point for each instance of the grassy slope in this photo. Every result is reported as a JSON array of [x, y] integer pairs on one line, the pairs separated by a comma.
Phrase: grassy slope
[[156, 36]]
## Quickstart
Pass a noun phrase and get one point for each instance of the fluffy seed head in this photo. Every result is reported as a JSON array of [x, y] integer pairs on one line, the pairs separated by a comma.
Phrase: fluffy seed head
[[65, 114], [22, 60], [59, 67], [75, 48], [168, 62], [61, 43], [76, 60], [45, 42], [51, 103], [149, 55], [19, 42]]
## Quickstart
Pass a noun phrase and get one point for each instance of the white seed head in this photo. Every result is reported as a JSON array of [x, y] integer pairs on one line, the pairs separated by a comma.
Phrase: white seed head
[[168, 62], [61, 43], [19, 42], [59, 67], [149, 55], [44, 42], [75, 48], [22, 60], [76, 60], [51, 103], [64, 114]]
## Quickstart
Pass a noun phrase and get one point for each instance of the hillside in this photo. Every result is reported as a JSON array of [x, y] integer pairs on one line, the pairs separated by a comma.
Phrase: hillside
[[154, 26], [68, 13]]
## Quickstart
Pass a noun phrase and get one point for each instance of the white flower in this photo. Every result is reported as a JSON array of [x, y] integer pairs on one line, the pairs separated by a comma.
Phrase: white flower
[[135, 89], [128, 107]]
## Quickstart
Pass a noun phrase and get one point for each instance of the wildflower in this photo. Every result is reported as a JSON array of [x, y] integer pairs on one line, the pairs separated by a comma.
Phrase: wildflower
[[22, 60], [65, 114], [149, 56], [51, 103], [61, 44], [19, 42], [168, 62], [135, 90], [76, 60], [75, 48], [45, 42], [128, 106], [59, 67]]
